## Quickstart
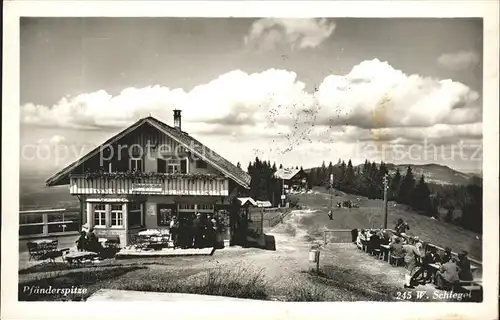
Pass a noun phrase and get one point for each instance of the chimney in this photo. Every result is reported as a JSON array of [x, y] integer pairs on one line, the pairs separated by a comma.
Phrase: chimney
[[177, 119]]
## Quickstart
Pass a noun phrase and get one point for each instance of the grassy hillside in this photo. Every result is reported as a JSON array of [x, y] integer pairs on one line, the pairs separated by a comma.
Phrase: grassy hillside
[[434, 173], [370, 215]]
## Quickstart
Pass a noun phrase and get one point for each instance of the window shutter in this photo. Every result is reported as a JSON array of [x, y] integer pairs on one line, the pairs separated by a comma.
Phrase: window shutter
[[183, 165], [162, 165], [158, 215]]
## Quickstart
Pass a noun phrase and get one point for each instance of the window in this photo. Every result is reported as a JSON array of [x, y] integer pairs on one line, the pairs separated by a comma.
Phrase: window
[[205, 207], [100, 215], [173, 166], [165, 214], [135, 215], [135, 164], [117, 215], [201, 164], [187, 207]]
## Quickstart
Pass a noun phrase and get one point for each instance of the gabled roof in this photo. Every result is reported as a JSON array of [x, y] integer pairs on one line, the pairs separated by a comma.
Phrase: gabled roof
[[184, 139], [245, 200], [286, 173]]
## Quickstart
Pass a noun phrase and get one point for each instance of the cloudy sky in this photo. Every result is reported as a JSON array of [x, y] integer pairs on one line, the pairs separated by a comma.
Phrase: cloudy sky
[[294, 91]]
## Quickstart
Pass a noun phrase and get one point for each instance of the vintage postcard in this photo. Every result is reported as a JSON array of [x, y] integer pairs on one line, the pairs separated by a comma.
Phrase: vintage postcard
[[251, 156]]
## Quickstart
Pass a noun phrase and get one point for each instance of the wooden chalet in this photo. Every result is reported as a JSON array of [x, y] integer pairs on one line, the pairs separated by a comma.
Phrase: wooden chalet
[[148, 173], [292, 179]]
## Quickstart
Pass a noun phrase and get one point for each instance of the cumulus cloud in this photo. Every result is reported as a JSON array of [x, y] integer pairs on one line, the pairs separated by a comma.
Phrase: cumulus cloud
[[373, 102], [270, 33], [458, 60], [57, 139]]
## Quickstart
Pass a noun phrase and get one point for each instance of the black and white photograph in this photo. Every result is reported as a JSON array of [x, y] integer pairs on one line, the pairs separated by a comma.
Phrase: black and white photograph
[[261, 159]]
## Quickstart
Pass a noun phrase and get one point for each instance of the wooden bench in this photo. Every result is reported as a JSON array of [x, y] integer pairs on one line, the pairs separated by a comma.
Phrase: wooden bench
[[43, 249], [395, 261]]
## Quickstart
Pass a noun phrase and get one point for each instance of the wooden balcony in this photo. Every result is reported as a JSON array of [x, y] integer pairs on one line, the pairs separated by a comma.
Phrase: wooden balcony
[[178, 186]]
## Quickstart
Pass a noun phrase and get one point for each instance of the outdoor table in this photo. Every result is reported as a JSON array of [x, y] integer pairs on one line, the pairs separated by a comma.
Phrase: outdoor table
[[78, 257], [154, 238], [149, 233], [385, 248]]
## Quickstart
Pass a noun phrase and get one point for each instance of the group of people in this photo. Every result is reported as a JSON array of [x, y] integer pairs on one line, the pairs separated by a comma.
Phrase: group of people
[[200, 232], [417, 257], [88, 241]]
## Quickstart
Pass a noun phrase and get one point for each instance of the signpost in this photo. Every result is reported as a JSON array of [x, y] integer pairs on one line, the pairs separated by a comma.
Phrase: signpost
[[147, 187], [314, 258]]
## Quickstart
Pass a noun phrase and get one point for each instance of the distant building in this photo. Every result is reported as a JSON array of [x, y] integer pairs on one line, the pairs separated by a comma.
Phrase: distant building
[[292, 179], [264, 204], [247, 202]]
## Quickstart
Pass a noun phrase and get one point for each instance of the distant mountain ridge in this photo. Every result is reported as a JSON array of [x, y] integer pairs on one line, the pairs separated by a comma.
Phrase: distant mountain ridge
[[433, 173]]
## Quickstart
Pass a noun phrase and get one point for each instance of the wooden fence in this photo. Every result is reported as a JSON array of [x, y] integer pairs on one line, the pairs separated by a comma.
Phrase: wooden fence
[[268, 217]]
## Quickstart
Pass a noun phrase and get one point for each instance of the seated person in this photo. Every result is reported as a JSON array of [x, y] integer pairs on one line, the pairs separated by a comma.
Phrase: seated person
[[447, 256], [385, 238], [447, 276], [463, 263], [81, 242], [373, 243], [93, 244], [433, 255], [396, 249], [360, 239]]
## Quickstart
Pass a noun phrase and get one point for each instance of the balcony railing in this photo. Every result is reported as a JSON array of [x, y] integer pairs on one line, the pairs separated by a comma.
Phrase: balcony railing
[[158, 185]]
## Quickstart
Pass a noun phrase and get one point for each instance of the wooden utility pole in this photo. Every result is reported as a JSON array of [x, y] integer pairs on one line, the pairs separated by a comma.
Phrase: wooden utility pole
[[283, 192], [331, 196], [386, 187]]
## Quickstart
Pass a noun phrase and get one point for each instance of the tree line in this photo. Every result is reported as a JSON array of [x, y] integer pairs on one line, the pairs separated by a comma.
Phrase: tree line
[[426, 198], [264, 185]]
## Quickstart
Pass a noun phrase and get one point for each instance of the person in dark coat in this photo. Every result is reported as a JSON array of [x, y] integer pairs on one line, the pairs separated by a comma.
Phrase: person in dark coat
[[81, 242], [188, 233], [463, 263], [93, 244], [447, 256], [425, 270], [197, 231], [401, 227], [354, 235], [211, 231], [374, 243]]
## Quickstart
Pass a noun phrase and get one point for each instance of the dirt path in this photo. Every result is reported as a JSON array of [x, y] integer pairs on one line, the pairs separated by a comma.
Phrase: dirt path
[[347, 274]]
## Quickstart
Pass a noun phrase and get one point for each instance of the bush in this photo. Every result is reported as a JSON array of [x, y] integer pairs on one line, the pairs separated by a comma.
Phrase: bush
[[239, 284], [307, 294]]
